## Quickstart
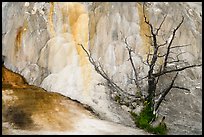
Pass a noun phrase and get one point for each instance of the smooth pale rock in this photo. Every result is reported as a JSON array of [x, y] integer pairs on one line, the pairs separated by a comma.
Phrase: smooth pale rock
[[138, 109], [26, 4], [126, 108]]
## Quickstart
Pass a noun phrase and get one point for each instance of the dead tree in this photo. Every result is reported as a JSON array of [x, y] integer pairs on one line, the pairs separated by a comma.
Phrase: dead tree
[[155, 71], [111, 84], [152, 58]]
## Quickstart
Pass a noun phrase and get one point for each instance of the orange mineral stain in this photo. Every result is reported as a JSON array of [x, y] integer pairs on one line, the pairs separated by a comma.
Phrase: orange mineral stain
[[50, 20], [79, 26], [19, 36], [74, 20], [144, 30]]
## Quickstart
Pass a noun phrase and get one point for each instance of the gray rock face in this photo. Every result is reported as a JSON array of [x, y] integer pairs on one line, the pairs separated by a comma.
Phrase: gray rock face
[[40, 41]]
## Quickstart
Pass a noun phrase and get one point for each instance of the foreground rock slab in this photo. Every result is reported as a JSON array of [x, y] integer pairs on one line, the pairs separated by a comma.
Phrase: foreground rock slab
[[30, 110]]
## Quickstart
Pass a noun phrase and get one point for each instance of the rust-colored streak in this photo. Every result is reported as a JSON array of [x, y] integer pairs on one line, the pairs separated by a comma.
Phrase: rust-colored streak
[[73, 19], [144, 30], [18, 39], [19, 36], [76, 16], [50, 20], [64, 19], [12, 79]]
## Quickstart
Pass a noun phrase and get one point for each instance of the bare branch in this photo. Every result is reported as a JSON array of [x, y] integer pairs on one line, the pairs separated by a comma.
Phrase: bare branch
[[147, 22], [171, 58], [181, 88], [176, 70], [90, 58], [177, 61], [160, 56], [131, 79], [169, 53], [160, 69], [159, 93], [179, 24], [157, 30], [99, 69], [143, 78], [148, 36], [131, 61], [165, 92], [170, 43], [161, 45], [147, 61], [173, 87], [180, 54], [180, 46]]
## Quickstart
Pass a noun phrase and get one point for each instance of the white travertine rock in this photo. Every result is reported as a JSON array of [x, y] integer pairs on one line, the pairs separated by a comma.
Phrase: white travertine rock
[[26, 4]]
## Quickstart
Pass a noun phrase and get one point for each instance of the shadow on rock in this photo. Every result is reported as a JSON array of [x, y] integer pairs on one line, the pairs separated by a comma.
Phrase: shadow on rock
[[18, 117]]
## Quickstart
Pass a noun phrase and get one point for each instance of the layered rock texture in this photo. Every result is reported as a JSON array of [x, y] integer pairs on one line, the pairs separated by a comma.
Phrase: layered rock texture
[[41, 42]]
